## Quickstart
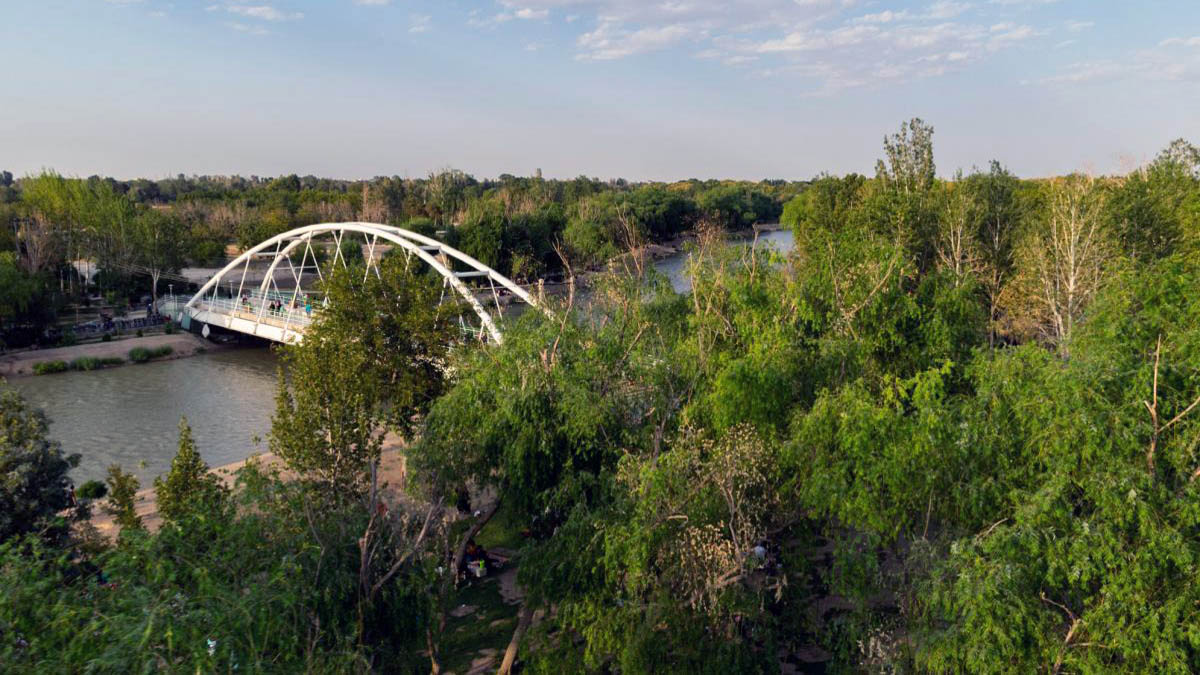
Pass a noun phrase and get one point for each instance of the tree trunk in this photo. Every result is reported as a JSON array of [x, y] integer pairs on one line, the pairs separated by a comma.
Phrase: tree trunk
[[510, 654], [474, 530]]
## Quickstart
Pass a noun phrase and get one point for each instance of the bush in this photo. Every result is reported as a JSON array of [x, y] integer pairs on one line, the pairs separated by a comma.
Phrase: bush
[[47, 367], [85, 363], [143, 354], [169, 328], [140, 333], [111, 361], [107, 337], [93, 489], [68, 339]]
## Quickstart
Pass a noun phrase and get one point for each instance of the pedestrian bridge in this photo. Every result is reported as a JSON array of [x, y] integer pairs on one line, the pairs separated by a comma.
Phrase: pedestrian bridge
[[273, 289]]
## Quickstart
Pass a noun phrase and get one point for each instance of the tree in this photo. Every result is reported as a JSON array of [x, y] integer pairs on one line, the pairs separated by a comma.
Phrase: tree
[[159, 242], [995, 200], [373, 359], [189, 486], [34, 486], [908, 166], [1181, 154], [17, 289], [957, 233], [122, 498], [1067, 256]]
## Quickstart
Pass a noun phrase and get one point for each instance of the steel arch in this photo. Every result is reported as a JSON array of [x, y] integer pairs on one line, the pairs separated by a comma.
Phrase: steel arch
[[432, 252]]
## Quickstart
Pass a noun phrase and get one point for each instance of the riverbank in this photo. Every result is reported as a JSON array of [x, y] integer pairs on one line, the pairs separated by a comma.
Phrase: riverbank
[[392, 472], [20, 364]]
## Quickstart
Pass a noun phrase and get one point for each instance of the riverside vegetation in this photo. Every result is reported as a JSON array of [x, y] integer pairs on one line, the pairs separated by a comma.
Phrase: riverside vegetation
[[957, 429]]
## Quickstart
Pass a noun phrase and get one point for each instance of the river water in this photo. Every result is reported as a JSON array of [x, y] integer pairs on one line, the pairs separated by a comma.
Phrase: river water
[[130, 415]]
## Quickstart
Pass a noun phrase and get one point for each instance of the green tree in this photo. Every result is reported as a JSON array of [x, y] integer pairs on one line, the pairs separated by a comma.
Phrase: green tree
[[122, 498], [159, 242], [372, 360], [189, 486], [1000, 214], [34, 486]]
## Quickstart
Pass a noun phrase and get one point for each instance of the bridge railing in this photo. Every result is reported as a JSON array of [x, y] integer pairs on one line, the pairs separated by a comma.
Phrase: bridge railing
[[252, 308]]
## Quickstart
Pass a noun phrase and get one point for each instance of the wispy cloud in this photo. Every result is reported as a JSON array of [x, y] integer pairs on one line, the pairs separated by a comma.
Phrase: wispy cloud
[[1171, 60], [373, 3], [530, 13], [249, 30], [261, 12], [611, 40], [419, 23], [834, 43]]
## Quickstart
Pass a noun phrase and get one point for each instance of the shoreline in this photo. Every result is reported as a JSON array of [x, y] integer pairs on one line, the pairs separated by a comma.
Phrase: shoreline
[[182, 344], [393, 469]]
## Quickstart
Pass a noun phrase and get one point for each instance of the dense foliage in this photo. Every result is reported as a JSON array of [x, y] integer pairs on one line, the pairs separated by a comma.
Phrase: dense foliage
[[955, 429]]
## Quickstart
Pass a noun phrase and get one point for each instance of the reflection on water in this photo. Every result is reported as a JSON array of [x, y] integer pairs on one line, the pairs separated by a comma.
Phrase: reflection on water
[[674, 267], [130, 415]]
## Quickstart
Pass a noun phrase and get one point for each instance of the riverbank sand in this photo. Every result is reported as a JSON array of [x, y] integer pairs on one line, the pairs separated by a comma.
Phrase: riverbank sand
[[19, 364], [392, 472]]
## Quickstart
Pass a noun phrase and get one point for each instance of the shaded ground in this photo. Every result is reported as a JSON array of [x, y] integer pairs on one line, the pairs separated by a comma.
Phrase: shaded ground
[[182, 344]]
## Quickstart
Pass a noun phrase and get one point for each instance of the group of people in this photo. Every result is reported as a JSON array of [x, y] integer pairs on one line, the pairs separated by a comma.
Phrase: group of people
[[279, 306]]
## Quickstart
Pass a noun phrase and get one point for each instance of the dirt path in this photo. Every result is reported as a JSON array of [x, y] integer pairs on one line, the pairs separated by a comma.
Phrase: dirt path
[[19, 364]]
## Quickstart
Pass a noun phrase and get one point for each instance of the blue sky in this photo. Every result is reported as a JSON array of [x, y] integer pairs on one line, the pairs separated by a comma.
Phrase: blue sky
[[645, 89]]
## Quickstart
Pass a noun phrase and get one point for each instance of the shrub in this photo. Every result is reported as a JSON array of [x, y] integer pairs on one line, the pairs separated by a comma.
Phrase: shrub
[[122, 498], [107, 337], [47, 367], [93, 489], [33, 476], [140, 333], [169, 328], [68, 339], [85, 363], [111, 361], [144, 354], [189, 486]]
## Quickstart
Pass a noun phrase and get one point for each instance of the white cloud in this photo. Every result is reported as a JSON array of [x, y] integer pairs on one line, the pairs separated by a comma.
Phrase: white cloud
[[886, 16], [1079, 26], [263, 12], [611, 40], [250, 30], [834, 43], [1182, 42], [946, 9], [373, 3], [419, 23]]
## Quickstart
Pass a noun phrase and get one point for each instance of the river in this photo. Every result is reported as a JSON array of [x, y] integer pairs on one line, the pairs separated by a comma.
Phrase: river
[[130, 415]]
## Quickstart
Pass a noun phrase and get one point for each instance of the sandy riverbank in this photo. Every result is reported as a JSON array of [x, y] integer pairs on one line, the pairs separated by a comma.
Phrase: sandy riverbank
[[18, 364], [392, 471]]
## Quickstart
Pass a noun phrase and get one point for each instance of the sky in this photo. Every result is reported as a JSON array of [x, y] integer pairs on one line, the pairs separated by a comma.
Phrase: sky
[[640, 89]]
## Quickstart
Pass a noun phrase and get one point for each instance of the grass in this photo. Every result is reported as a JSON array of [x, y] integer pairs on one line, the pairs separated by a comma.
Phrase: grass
[[143, 354], [48, 367], [466, 636], [503, 530]]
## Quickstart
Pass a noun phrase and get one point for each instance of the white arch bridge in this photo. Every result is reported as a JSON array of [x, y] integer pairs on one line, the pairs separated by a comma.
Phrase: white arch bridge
[[248, 296]]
